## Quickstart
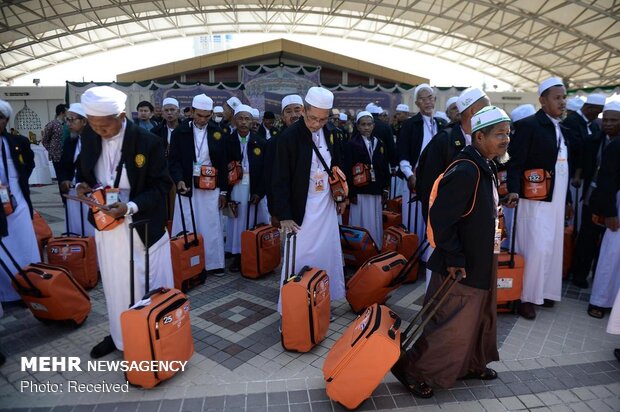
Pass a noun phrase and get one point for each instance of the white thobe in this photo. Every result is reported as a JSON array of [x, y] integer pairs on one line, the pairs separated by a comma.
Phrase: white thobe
[[113, 248], [206, 208], [613, 326], [318, 240], [78, 224], [540, 237], [21, 241], [607, 276], [368, 213]]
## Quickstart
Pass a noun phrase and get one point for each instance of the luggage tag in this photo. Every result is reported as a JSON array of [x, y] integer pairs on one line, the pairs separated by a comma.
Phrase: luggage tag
[[319, 185], [111, 195], [196, 169], [4, 194]]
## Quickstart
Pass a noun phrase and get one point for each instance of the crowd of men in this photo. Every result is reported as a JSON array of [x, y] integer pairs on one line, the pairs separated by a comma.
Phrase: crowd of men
[[164, 160]]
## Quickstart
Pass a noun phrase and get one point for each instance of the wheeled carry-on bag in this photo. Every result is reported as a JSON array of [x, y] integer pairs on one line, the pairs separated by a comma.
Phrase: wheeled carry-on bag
[[391, 219], [305, 304], [510, 267], [188, 256], [357, 245], [398, 239], [260, 248], [76, 253], [42, 231], [51, 292], [157, 328]]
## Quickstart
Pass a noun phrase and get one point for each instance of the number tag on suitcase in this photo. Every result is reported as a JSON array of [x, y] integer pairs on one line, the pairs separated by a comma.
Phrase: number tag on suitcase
[[504, 283]]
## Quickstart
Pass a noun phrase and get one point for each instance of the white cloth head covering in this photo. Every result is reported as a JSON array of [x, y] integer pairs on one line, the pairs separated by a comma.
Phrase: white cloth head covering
[[103, 101], [362, 114], [442, 115], [343, 117], [320, 98], [243, 108], [77, 109], [488, 116], [233, 102], [6, 109], [574, 104], [402, 108], [596, 99], [421, 87], [613, 105], [255, 113], [202, 102], [548, 83], [170, 100], [292, 99], [451, 101], [521, 112], [218, 109], [468, 97]]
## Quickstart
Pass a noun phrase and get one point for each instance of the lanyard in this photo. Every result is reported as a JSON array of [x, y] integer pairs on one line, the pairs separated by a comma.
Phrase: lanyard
[[5, 161], [202, 142], [370, 147], [430, 126]]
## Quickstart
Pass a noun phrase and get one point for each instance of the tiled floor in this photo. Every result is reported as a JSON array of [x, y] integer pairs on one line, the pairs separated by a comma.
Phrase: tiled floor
[[562, 361]]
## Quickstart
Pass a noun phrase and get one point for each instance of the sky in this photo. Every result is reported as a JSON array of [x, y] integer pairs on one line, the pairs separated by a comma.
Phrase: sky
[[105, 66]]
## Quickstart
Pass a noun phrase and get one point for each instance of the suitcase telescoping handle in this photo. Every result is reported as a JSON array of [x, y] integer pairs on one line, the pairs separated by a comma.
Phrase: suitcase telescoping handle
[[132, 225], [194, 242], [576, 211], [411, 262], [513, 231], [291, 237], [443, 290], [33, 291], [247, 217]]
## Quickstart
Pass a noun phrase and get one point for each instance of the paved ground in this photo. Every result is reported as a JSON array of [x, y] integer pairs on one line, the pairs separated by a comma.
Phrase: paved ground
[[562, 361]]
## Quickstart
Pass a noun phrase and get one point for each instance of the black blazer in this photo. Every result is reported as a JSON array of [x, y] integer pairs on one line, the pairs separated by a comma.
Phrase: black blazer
[[23, 159], [411, 136], [292, 170], [383, 132], [182, 154], [436, 156], [466, 241], [147, 172], [67, 167], [256, 159], [534, 145], [603, 198], [581, 142], [355, 151], [262, 131], [161, 130]]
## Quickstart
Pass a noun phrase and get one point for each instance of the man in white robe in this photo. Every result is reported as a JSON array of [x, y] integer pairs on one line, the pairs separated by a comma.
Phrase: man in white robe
[[112, 145]]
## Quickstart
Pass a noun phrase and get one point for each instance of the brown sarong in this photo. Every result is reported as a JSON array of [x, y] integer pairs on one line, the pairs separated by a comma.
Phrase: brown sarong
[[461, 337]]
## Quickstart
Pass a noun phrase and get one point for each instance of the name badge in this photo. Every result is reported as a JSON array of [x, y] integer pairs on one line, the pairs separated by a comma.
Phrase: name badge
[[245, 180], [498, 241], [4, 194], [196, 169], [111, 195], [373, 177]]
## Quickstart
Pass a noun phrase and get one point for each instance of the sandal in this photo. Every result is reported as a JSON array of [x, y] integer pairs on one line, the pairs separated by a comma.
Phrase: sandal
[[596, 312], [487, 374], [418, 389]]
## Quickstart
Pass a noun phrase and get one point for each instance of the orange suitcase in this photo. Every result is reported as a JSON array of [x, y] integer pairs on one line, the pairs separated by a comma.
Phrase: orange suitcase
[[77, 254], [510, 268], [359, 360], [260, 249], [305, 304], [156, 329], [391, 219], [42, 231], [357, 245], [188, 256], [399, 239], [50, 292]]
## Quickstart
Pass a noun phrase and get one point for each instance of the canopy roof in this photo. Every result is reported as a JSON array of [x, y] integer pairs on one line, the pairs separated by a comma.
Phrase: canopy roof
[[519, 42]]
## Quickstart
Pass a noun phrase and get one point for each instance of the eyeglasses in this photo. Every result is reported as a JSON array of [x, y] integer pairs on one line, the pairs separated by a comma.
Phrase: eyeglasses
[[72, 119], [427, 98]]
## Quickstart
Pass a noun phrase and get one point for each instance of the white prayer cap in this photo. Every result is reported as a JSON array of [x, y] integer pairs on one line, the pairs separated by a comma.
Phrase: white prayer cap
[[488, 116], [362, 114], [202, 102], [596, 99], [613, 105], [103, 101], [373, 108], [170, 100], [402, 108], [521, 112], [6, 109], [320, 98], [77, 109], [442, 115], [292, 99], [468, 97], [218, 109], [343, 117], [233, 102], [243, 108], [255, 114], [421, 87], [574, 104], [452, 100], [550, 82]]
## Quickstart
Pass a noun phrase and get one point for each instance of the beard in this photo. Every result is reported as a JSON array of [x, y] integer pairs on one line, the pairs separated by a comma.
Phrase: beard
[[503, 159]]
